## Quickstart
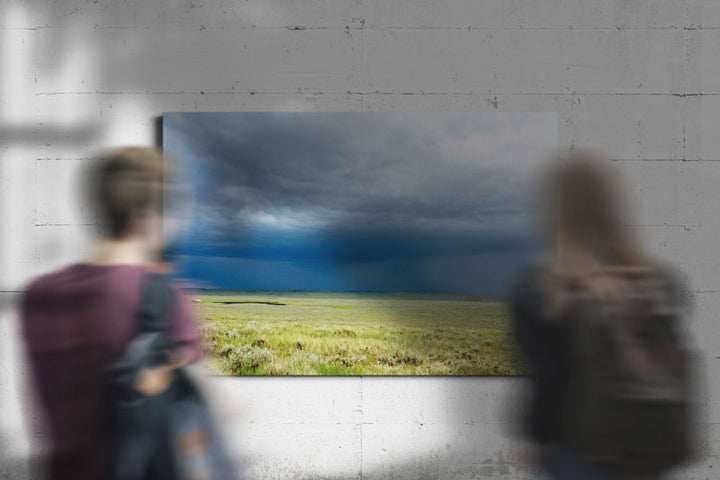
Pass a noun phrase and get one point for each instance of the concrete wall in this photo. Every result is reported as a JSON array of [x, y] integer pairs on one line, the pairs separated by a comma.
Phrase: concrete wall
[[639, 78]]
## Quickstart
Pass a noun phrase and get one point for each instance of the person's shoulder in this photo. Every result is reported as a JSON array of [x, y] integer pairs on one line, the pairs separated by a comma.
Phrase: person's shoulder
[[526, 286], [672, 277], [530, 274], [83, 278], [45, 287], [676, 283], [49, 281]]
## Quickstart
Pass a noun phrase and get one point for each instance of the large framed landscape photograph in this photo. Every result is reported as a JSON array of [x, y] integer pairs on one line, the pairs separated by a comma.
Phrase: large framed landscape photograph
[[369, 243]]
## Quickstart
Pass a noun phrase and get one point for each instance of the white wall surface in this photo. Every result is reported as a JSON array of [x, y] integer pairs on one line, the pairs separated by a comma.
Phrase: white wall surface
[[637, 78]]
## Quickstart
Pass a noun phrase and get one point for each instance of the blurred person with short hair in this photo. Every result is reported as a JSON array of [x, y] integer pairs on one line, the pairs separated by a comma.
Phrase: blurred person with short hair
[[598, 325], [78, 321]]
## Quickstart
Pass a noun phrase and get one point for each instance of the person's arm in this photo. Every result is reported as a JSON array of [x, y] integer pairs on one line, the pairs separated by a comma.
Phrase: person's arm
[[184, 331], [541, 343], [185, 336]]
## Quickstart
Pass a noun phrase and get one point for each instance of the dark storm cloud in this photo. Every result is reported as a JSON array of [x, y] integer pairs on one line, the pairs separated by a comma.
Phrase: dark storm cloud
[[458, 171], [371, 201], [361, 247]]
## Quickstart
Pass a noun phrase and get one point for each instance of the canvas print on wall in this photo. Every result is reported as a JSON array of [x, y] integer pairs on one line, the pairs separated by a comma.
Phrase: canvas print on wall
[[354, 243]]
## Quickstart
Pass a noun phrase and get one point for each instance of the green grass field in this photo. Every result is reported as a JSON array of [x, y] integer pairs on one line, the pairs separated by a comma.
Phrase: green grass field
[[329, 333]]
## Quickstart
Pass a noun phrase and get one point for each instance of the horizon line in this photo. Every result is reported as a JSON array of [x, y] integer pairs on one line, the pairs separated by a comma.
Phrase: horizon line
[[341, 291]]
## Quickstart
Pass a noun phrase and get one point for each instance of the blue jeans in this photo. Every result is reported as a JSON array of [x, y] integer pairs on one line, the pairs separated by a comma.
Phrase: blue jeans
[[565, 464]]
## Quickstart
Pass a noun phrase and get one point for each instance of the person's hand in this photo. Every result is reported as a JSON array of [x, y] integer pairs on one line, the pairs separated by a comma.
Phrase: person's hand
[[154, 380]]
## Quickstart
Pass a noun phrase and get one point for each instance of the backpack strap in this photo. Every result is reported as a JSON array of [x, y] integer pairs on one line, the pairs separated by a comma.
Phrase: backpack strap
[[150, 346], [154, 310]]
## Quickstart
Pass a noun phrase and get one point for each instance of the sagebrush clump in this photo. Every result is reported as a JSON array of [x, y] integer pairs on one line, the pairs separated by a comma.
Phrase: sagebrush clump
[[247, 357], [401, 357]]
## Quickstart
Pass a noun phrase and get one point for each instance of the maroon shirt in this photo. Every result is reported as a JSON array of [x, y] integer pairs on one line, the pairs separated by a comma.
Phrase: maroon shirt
[[76, 323]]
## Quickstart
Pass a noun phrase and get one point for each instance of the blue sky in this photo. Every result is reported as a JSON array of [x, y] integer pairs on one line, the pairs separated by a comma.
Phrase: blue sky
[[393, 202]]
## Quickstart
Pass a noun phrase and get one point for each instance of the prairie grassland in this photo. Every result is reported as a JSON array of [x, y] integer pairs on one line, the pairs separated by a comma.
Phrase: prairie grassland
[[319, 333]]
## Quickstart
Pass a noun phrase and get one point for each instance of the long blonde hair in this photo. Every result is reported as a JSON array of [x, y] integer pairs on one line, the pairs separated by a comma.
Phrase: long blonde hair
[[587, 210]]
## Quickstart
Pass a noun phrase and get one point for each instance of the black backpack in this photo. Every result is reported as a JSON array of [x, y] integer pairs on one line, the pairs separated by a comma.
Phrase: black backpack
[[629, 397], [169, 436]]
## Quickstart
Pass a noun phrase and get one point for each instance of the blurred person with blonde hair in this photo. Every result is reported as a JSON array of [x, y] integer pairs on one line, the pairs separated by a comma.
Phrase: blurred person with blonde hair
[[598, 324], [78, 321]]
